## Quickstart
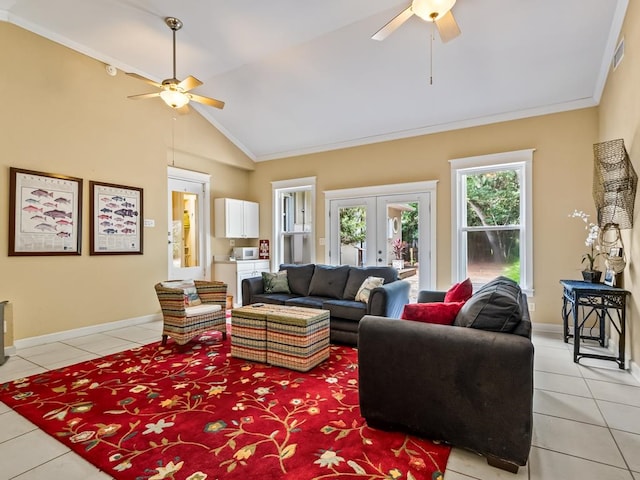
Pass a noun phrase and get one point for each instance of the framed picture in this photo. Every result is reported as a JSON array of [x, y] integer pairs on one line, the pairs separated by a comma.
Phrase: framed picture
[[615, 252], [610, 278], [116, 219], [45, 213]]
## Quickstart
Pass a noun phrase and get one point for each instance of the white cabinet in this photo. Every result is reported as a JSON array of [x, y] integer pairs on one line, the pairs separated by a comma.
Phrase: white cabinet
[[232, 273], [236, 218]]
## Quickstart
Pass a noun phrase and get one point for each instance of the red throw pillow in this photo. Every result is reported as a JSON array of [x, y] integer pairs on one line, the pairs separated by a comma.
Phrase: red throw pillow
[[460, 292], [437, 312]]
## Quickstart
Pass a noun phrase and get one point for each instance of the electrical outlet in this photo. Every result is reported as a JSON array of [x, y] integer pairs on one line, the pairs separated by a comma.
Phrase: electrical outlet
[[532, 307], [232, 243], [321, 241]]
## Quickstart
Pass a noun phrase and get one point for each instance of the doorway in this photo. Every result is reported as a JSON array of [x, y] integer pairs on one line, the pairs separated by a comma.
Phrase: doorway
[[189, 224], [386, 225]]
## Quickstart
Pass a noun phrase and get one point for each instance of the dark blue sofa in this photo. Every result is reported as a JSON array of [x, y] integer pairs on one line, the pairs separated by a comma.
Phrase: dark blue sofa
[[333, 288]]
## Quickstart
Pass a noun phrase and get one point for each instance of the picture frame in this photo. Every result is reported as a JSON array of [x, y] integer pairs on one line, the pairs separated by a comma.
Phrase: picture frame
[[45, 213], [615, 252], [610, 278], [116, 219]]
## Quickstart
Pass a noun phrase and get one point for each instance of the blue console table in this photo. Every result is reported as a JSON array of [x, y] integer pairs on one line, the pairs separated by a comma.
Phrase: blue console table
[[583, 301]]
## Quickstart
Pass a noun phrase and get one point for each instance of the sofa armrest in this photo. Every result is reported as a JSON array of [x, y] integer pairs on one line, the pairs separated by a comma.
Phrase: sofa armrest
[[430, 296], [389, 299], [469, 387], [250, 287]]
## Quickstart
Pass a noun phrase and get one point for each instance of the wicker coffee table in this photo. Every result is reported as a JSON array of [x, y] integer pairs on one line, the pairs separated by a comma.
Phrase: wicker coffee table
[[293, 337]]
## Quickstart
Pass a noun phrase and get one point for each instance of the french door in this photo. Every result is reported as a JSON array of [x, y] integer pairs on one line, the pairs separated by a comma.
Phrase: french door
[[363, 230], [189, 225]]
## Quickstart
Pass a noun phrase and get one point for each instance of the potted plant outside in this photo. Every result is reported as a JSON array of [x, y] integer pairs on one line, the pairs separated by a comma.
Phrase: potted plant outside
[[399, 248]]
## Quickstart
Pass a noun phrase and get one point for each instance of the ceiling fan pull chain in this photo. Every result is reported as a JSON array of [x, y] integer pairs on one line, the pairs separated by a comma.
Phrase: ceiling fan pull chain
[[431, 54]]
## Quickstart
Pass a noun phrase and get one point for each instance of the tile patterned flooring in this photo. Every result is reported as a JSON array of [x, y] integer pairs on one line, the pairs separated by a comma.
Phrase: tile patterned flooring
[[586, 416]]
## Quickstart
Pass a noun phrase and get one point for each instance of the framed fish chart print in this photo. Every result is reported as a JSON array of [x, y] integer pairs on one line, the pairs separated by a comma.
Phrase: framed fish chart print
[[116, 219], [45, 213]]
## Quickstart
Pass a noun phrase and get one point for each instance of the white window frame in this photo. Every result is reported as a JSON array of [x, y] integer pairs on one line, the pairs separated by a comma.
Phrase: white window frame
[[521, 161], [292, 185]]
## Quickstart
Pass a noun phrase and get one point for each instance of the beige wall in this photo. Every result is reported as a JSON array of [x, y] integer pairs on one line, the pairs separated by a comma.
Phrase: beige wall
[[61, 113], [562, 173], [65, 115], [620, 118]]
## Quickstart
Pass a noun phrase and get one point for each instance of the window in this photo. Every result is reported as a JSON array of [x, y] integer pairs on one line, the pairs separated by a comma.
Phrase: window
[[294, 211], [492, 218]]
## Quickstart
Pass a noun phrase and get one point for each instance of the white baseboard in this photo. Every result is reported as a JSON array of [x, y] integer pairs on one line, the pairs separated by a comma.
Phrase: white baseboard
[[80, 332], [546, 327]]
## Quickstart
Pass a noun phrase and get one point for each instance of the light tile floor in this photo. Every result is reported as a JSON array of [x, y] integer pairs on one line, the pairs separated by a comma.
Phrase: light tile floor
[[586, 416]]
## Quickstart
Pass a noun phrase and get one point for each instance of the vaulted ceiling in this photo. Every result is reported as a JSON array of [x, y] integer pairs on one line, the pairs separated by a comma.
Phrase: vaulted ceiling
[[301, 76]]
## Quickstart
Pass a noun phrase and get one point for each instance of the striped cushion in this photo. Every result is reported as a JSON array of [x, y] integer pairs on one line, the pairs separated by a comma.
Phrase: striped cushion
[[201, 309]]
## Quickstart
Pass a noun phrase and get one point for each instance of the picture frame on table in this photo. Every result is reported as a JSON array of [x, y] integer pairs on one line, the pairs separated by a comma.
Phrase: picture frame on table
[[116, 219], [610, 278], [615, 252], [45, 213]]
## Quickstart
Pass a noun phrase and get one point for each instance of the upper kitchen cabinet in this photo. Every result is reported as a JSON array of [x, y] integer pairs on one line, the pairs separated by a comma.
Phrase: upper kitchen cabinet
[[236, 218]]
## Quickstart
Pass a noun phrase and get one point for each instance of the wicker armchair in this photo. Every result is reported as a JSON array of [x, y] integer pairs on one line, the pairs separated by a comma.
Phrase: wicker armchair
[[184, 323]]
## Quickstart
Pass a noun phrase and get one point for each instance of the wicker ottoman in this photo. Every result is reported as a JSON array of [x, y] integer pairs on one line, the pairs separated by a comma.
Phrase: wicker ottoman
[[297, 338], [249, 332]]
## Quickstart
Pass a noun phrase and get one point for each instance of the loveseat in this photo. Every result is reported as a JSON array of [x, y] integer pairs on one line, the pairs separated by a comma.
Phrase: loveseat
[[334, 288], [469, 387]]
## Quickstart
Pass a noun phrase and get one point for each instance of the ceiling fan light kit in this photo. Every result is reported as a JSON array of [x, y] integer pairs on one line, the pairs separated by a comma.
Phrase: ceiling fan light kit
[[431, 10], [173, 91], [435, 11]]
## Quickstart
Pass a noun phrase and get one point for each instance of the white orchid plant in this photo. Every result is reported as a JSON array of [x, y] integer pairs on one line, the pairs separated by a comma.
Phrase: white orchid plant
[[593, 231]]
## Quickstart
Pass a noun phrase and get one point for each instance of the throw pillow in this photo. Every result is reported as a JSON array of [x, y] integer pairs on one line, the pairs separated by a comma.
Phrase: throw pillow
[[328, 281], [365, 289], [438, 312], [357, 275], [188, 287], [275, 282], [299, 277], [460, 292], [495, 307]]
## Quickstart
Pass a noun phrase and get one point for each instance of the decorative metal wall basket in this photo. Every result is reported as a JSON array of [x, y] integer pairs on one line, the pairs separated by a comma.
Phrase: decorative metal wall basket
[[614, 184]]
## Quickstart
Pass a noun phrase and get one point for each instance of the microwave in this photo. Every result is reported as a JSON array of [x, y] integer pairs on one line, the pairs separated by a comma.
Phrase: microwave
[[245, 253]]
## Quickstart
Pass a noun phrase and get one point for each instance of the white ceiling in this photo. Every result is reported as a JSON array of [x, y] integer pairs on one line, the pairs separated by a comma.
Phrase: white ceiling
[[302, 76]]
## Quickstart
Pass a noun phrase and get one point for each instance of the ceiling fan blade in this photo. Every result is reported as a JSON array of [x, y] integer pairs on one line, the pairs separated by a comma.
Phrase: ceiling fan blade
[[189, 83], [447, 27], [206, 100], [144, 95], [390, 27], [140, 77]]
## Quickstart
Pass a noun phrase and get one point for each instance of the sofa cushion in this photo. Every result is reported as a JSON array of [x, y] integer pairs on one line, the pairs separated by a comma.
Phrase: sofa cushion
[[442, 313], [308, 302], [299, 277], [365, 289], [272, 298], [275, 282], [347, 309], [329, 281], [494, 307], [460, 292], [357, 275]]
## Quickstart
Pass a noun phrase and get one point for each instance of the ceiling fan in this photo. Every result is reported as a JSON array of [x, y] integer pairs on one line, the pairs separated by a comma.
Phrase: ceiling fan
[[174, 92], [436, 11]]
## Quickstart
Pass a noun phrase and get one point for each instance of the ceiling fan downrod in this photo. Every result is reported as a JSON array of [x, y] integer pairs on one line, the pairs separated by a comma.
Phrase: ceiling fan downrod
[[174, 24]]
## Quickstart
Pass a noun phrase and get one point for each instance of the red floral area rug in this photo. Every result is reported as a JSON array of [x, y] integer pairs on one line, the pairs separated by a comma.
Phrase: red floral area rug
[[193, 412]]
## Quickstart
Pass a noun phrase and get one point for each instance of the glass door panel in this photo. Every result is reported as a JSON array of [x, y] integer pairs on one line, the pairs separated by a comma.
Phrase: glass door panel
[[186, 243]]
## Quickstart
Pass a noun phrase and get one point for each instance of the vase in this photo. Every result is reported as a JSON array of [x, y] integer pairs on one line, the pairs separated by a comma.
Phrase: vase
[[399, 264], [591, 276]]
